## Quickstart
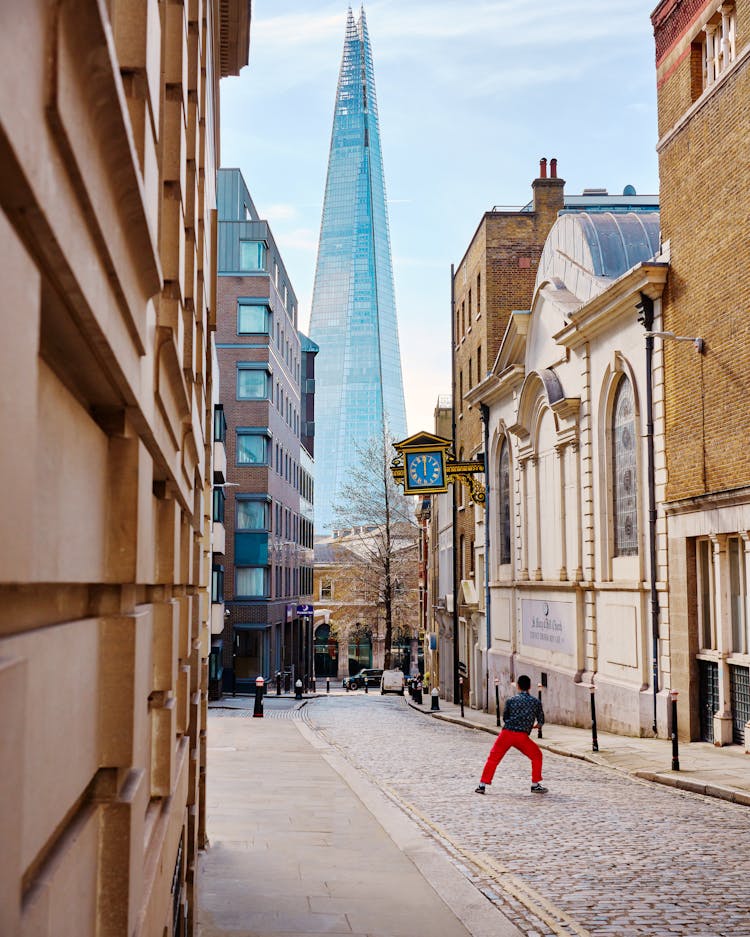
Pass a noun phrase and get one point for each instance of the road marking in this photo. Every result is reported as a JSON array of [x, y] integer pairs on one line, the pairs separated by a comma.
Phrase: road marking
[[557, 920]]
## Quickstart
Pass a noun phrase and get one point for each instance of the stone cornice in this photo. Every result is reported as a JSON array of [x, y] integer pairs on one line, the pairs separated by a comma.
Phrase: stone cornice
[[614, 303]]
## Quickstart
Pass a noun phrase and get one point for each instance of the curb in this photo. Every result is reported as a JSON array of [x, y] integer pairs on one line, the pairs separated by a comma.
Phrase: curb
[[732, 795]]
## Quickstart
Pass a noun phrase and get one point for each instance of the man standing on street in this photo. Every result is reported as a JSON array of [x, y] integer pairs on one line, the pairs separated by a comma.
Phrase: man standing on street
[[522, 712]]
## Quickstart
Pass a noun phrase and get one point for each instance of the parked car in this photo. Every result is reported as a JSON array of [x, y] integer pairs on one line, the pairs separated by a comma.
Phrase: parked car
[[392, 681], [357, 682]]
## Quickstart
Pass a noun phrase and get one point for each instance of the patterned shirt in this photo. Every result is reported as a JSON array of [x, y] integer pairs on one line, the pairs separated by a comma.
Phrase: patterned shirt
[[521, 712]]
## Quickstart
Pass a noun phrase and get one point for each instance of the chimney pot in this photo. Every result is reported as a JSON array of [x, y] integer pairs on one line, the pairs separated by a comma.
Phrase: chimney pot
[[543, 168], [553, 168]]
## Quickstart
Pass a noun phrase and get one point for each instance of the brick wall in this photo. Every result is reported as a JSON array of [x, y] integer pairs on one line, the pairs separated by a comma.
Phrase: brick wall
[[705, 194], [504, 254]]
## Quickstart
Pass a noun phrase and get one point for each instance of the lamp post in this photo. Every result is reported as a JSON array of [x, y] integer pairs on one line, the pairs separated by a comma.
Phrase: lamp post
[[645, 308]]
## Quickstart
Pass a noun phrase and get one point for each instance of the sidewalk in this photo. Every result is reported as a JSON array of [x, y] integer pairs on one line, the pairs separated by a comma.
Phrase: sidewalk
[[704, 769], [300, 843]]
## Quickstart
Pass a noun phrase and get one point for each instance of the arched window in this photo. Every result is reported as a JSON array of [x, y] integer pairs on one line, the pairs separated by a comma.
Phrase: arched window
[[503, 504], [624, 487]]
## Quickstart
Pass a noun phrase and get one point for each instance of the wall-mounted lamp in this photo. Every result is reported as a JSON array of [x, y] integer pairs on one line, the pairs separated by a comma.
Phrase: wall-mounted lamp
[[698, 342]]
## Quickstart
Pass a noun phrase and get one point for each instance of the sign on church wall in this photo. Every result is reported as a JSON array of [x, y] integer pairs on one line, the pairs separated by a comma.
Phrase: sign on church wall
[[549, 625]]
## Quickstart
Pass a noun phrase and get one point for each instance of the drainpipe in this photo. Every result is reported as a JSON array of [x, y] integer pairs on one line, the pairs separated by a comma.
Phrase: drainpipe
[[646, 318], [485, 411], [454, 521]]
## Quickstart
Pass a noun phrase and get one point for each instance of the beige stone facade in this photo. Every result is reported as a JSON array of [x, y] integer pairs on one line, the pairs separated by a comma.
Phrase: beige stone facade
[[569, 569], [703, 84], [108, 151]]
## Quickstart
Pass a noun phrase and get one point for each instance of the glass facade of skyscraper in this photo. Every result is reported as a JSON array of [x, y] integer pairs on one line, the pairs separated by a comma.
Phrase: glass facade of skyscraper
[[359, 386]]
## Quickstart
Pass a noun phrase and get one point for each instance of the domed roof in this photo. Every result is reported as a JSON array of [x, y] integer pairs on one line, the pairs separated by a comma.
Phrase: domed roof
[[584, 251]]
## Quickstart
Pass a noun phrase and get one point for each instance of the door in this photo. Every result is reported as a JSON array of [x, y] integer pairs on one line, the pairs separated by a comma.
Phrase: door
[[709, 697]]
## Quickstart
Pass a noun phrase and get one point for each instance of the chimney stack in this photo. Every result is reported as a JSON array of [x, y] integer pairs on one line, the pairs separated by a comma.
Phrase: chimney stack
[[543, 168]]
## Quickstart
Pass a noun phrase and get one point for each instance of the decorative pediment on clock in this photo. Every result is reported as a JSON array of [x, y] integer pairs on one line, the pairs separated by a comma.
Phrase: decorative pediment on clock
[[423, 440]]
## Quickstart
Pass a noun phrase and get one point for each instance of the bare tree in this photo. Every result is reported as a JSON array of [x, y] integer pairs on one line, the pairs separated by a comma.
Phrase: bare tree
[[382, 532]]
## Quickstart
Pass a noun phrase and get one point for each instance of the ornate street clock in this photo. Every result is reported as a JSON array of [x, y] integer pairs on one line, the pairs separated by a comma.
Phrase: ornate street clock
[[425, 470], [426, 465]]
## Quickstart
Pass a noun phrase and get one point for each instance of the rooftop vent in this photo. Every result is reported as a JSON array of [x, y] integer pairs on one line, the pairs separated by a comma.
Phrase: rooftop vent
[[595, 192]]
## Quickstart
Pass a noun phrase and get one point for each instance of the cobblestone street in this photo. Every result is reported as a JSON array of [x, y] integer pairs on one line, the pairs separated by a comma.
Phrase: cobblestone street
[[600, 854]]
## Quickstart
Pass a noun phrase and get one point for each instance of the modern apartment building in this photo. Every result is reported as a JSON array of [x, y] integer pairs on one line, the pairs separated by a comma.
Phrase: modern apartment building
[[703, 96], [108, 139], [353, 319], [267, 397]]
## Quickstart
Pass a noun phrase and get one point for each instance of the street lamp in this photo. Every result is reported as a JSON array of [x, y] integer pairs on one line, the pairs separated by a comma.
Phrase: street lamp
[[645, 307]]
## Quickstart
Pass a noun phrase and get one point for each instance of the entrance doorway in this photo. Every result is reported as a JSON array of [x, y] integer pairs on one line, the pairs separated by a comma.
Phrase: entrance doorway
[[250, 655], [326, 652]]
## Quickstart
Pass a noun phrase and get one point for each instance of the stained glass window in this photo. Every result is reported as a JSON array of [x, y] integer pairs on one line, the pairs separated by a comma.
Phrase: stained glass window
[[503, 501], [625, 506]]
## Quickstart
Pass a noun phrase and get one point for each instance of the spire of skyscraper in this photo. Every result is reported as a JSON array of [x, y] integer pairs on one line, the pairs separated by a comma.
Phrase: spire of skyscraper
[[359, 386]]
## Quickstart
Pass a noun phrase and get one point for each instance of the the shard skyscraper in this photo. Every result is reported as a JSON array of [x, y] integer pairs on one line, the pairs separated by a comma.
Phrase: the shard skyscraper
[[359, 387]]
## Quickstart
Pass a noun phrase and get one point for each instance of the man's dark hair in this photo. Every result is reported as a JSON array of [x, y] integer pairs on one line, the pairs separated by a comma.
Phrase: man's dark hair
[[523, 682]]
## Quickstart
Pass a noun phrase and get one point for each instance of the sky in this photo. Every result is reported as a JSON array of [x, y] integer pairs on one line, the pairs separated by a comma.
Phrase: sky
[[471, 95]]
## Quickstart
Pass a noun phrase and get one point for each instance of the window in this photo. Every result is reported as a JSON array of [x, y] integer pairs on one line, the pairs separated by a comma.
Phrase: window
[[218, 505], [504, 505], [737, 594], [253, 318], [220, 424], [326, 589], [252, 256], [252, 447], [625, 503], [253, 382], [217, 584], [728, 554], [479, 363], [253, 514], [713, 50], [251, 581], [479, 295]]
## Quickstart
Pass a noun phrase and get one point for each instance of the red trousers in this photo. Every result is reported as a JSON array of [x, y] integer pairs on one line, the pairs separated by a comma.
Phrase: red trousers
[[524, 744]]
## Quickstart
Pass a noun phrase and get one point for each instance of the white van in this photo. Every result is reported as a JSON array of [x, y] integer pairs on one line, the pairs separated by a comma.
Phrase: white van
[[392, 681]]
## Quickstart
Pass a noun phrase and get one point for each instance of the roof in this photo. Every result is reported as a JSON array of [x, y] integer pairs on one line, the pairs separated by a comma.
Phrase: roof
[[584, 251]]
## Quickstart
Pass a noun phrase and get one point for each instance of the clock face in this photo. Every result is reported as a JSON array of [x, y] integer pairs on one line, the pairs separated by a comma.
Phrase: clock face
[[425, 469]]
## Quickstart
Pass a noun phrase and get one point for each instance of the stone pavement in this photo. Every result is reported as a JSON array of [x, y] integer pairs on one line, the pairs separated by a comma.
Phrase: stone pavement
[[300, 844], [716, 772]]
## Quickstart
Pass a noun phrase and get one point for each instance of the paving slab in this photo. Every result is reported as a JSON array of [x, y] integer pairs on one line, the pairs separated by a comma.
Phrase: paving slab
[[301, 844]]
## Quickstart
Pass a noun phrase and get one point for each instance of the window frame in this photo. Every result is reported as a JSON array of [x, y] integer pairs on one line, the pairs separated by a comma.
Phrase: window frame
[[263, 500], [263, 570], [256, 366], [252, 431], [258, 264], [254, 304]]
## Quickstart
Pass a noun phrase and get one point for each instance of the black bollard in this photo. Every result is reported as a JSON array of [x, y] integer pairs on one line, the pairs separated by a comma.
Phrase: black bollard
[[594, 739], [417, 694], [328, 685], [278, 683], [539, 694], [434, 700], [258, 707], [675, 743], [298, 689], [461, 694], [497, 701], [366, 685]]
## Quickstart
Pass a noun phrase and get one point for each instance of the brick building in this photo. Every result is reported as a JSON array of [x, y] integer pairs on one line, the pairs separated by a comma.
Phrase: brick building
[[495, 276], [267, 390], [107, 187], [703, 85]]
